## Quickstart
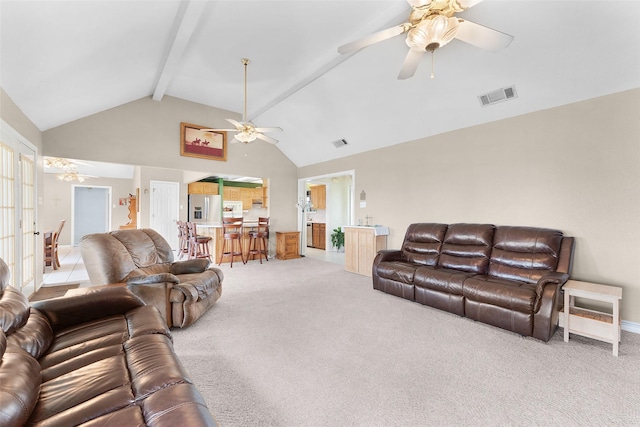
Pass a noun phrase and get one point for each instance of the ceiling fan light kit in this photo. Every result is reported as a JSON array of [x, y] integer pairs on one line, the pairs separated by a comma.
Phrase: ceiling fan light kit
[[246, 131], [431, 25]]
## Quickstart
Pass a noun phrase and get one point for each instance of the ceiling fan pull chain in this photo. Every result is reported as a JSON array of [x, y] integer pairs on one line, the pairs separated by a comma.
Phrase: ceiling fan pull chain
[[433, 74]]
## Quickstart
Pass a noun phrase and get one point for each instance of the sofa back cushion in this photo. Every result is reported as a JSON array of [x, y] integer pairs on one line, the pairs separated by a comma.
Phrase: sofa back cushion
[[467, 247], [524, 253], [110, 257], [422, 243]]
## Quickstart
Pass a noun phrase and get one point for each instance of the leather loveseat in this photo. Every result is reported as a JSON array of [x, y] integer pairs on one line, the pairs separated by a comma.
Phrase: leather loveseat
[[101, 358], [182, 291], [510, 277]]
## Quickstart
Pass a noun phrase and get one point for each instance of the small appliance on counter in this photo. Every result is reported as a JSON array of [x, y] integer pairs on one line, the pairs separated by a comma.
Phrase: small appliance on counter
[[232, 209]]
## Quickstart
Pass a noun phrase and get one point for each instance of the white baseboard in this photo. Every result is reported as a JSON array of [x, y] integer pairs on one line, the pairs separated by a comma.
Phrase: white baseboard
[[630, 326]]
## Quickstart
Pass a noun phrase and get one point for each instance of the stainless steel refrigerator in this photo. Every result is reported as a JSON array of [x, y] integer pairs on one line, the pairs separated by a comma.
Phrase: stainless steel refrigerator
[[205, 209]]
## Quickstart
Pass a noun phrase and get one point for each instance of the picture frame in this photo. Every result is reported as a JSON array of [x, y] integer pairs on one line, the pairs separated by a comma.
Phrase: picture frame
[[210, 145]]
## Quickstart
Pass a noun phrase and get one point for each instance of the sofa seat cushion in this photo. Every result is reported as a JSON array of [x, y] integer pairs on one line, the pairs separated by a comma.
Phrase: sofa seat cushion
[[440, 279], [398, 271], [19, 385], [509, 294], [205, 283]]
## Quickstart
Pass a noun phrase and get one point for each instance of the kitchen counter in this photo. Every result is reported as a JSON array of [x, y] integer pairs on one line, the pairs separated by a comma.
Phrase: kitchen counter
[[379, 230]]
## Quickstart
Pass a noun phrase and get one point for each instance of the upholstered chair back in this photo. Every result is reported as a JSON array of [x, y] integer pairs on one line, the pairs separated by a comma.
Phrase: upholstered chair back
[[422, 243], [110, 257]]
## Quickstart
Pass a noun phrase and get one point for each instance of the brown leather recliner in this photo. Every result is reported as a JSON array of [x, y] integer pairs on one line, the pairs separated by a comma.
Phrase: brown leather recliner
[[99, 358], [143, 259]]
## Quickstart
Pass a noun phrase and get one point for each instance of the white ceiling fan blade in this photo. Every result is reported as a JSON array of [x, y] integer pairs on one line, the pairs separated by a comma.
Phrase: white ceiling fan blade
[[234, 140], [218, 130], [238, 125], [410, 65], [481, 36], [373, 38], [466, 4], [267, 138], [274, 129]]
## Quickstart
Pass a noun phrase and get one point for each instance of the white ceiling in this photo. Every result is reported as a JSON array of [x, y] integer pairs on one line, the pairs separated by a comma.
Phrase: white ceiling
[[64, 60]]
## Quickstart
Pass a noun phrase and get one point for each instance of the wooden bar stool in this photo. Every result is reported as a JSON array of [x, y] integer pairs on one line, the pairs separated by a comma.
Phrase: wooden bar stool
[[259, 243], [232, 233], [183, 239], [198, 245]]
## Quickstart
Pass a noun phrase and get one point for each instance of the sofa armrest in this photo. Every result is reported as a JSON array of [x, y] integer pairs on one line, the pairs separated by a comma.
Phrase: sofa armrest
[[152, 278], [555, 279], [386, 255], [189, 266], [94, 304]]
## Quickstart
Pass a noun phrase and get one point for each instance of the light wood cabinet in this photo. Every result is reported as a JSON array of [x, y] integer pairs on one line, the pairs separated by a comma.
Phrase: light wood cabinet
[[203, 188], [246, 195], [231, 194], [360, 248], [319, 235], [287, 244], [318, 196]]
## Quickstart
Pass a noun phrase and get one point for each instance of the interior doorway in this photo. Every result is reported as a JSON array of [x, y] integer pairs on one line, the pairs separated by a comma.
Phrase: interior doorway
[[338, 211], [91, 213]]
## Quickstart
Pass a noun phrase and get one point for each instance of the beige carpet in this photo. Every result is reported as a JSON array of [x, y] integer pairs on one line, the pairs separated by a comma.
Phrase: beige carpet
[[304, 343], [48, 292]]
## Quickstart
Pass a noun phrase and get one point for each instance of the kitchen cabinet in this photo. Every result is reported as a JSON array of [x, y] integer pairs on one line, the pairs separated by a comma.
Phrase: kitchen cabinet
[[246, 196], [318, 196], [231, 193], [361, 244], [203, 188], [287, 244], [319, 235]]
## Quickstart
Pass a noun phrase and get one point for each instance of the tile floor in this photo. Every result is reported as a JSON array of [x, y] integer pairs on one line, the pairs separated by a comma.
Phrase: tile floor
[[72, 268]]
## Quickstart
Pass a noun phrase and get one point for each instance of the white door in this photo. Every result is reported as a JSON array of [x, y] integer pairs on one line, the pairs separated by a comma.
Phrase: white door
[[165, 210], [27, 206], [91, 213]]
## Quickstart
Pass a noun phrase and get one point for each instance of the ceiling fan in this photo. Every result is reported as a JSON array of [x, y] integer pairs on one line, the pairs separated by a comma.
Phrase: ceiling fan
[[431, 25], [247, 131]]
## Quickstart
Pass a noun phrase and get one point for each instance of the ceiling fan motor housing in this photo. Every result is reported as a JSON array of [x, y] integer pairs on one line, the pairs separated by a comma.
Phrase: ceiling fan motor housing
[[432, 32]]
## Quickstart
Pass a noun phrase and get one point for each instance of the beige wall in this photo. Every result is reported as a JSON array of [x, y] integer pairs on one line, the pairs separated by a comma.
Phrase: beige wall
[[147, 133], [14, 117], [575, 168], [57, 198]]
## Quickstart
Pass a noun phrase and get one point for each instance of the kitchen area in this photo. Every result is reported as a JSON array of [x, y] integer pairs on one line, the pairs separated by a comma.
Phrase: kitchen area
[[316, 197], [213, 198]]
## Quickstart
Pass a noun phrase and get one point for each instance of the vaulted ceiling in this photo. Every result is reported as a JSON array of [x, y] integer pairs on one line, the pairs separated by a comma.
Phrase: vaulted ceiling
[[64, 60]]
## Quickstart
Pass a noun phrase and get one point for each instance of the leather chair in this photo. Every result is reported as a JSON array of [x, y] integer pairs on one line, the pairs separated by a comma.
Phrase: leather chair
[[143, 259]]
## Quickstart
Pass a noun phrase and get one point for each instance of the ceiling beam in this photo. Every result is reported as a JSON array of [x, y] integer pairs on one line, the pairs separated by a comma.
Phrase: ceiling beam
[[401, 17], [189, 13]]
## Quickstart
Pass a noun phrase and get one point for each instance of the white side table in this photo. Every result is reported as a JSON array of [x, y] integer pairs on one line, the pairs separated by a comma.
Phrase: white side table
[[592, 323]]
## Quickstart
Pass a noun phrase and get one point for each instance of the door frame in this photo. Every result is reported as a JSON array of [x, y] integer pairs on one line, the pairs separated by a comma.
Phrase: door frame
[[15, 141]]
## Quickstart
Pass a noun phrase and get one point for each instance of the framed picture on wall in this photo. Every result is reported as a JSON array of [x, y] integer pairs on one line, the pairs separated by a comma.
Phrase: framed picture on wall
[[194, 142]]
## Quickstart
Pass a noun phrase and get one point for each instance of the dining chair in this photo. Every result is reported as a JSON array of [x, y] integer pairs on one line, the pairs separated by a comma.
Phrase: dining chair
[[51, 247]]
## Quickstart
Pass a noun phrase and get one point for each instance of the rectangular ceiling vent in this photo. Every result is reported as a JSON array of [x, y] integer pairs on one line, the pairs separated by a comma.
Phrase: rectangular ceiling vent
[[340, 143], [499, 95]]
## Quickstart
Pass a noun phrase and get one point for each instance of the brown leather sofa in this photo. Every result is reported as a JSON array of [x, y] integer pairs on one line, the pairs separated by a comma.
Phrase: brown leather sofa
[[102, 358], [510, 277], [182, 291]]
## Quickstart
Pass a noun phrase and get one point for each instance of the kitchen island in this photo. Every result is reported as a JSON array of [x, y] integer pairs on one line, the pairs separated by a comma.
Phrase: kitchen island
[[215, 231]]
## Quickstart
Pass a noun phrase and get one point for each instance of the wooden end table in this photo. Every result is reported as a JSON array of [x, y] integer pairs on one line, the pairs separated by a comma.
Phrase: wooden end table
[[592, 323]]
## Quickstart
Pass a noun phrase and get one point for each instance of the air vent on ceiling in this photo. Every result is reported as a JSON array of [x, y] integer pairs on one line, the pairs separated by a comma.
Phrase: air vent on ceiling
[[340, 143], [499, 95]]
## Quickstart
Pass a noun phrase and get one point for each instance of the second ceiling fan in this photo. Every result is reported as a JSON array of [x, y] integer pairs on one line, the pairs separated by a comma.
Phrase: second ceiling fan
[[247, 131], [431, 25]]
